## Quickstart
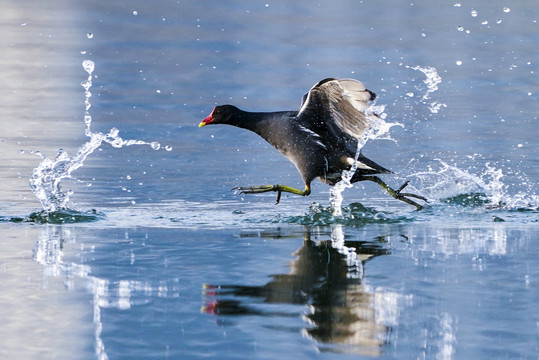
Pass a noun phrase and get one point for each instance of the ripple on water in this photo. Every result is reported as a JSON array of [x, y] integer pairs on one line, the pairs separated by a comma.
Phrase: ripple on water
[[355, 214], [483, 201], [473, 199], [63, 216]]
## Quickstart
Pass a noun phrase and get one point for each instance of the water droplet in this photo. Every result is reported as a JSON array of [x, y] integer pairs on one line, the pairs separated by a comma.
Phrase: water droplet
[[457, 5], [473, 13], [520, 145], [423, 35], [484, 22], [89, 35], [460, 28], [86, 84], [267, 5], [499, 21], [21, 151], [506, 10], [83, 52], [158, 91], [168, 148], [410, 94], [458, 62], [133, 202], [530, 93], [88, 65], [23, 23], [155, 145], [135, 12], [113, 133], [128, 177]]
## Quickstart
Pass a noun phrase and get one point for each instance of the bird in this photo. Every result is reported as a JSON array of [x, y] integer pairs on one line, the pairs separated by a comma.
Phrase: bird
[[320, 138]]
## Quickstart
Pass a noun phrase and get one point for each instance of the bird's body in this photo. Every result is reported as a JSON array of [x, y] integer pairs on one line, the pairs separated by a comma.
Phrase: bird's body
[[310, 147], [320, 139]]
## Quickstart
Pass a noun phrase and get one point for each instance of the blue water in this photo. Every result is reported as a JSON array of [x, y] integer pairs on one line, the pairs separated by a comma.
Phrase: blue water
[[156, 257]]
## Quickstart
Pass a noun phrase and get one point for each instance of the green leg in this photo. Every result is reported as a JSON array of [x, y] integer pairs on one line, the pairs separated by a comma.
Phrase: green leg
[[397, 194], [278, 188]]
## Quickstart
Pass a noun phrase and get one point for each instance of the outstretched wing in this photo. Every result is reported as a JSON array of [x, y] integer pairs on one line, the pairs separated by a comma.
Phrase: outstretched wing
[[338, 103]]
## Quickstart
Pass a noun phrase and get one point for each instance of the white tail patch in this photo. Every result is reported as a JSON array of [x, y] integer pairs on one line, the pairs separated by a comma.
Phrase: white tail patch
[[359, 164]]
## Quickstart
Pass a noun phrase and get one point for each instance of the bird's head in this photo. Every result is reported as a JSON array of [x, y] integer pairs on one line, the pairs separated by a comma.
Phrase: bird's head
[[222, 114]]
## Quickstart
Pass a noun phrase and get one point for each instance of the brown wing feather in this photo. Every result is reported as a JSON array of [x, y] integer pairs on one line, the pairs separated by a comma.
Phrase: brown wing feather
[[346, 101]]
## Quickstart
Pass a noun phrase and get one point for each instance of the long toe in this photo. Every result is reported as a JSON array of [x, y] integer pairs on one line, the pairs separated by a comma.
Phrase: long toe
[[403, 186], [254, 189], [415, 196]]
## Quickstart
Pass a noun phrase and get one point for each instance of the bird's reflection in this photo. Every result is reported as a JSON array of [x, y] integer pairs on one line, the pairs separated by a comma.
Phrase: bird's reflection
[[327, 276]]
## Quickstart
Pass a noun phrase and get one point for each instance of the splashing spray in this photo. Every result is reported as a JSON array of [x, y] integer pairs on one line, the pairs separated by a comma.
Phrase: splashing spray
[[46, 178], [432, 80], [377, 129]]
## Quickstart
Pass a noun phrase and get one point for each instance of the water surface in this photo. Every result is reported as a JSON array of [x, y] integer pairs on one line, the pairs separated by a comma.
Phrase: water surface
[[156, 257]]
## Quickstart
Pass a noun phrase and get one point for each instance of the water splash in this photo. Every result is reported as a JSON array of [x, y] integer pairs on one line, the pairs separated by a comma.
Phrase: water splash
[[450, 184], [46, 178], [378, 129], [432, 81]]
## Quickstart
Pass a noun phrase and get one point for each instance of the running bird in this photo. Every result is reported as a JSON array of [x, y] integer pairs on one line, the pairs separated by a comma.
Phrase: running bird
[[320, 139]]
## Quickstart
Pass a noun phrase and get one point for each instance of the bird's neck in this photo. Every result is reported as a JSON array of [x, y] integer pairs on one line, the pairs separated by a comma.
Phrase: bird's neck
[[248, 120], [258, 122]]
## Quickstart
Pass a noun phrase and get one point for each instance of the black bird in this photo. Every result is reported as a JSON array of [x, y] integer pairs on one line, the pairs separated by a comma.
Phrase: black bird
[[320, 139]]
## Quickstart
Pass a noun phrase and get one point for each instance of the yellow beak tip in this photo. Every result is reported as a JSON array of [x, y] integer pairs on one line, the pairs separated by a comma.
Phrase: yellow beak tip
[[202, 124]]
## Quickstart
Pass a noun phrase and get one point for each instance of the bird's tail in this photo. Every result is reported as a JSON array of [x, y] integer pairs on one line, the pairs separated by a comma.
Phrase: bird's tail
[[367, 166]]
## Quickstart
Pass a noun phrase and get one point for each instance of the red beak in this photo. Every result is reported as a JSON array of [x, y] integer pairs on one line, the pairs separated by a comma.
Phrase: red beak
[[206, 121]]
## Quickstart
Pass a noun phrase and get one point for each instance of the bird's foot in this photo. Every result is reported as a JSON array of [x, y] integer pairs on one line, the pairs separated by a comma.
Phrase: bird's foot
[[277, 188], [255, 189], [399, 195], [398, 191], [260, 189]]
